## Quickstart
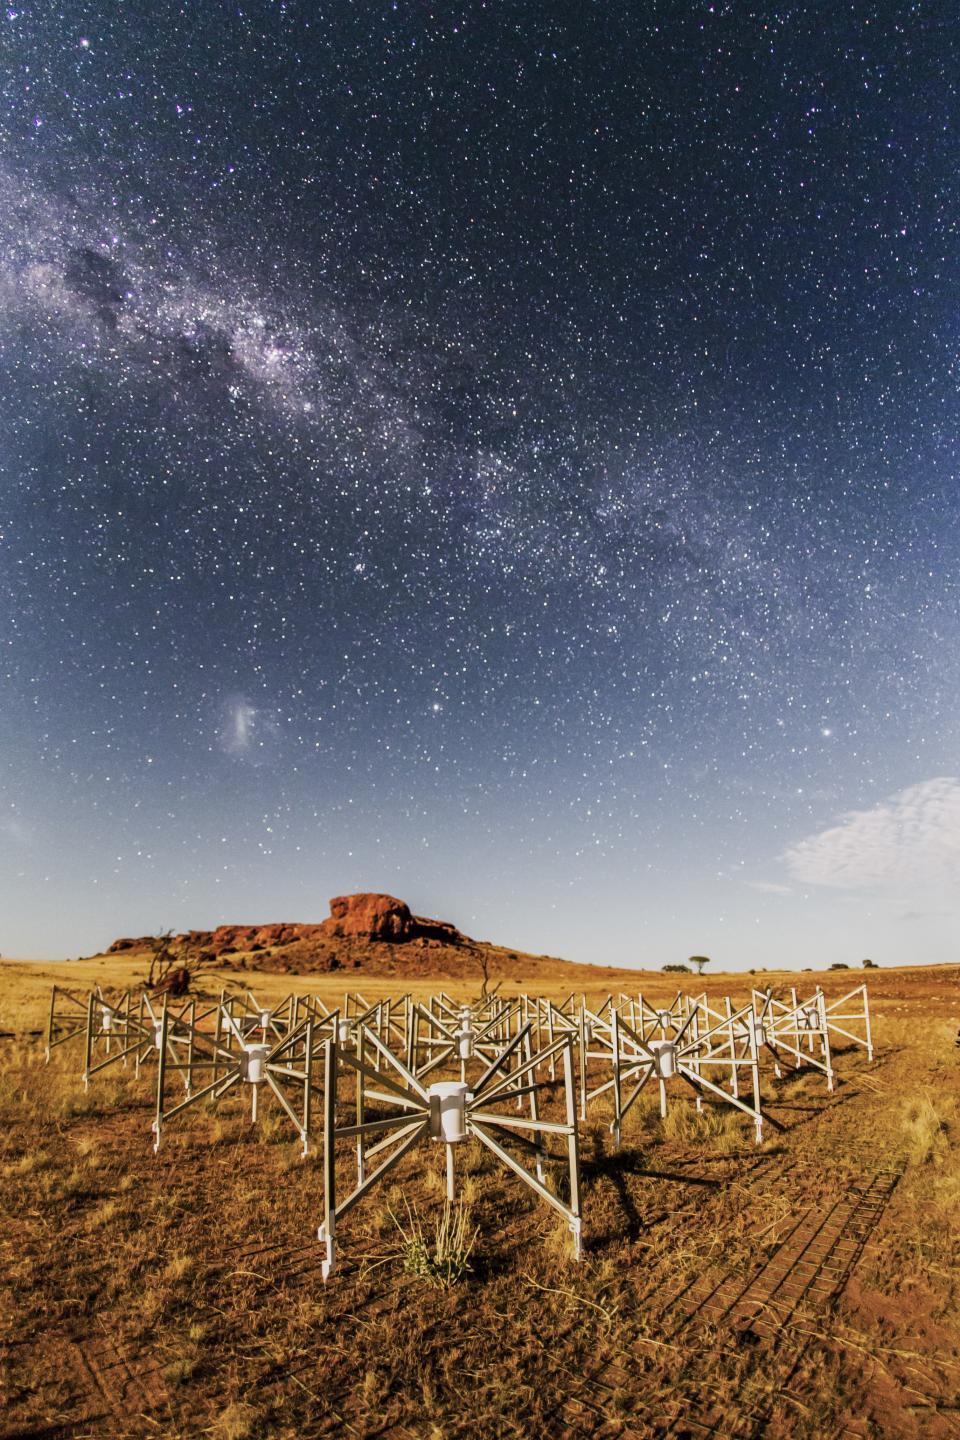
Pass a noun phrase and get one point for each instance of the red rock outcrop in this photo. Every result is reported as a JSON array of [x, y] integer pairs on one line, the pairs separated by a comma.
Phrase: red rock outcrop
[[366, 916], [371, 916], [439, 930], [250, 937], [225, 938]]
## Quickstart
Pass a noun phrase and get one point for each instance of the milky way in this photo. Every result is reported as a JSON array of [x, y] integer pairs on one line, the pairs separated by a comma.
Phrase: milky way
[[505, 455]]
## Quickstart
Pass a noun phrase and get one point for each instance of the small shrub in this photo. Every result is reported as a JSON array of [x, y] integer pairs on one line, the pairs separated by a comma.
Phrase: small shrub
[[105, 1214], [445, 1259], [27, 1164], [177, 1268], [676, 970]]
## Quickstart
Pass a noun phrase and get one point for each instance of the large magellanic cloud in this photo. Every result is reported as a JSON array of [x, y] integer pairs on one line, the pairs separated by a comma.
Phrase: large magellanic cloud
[[910, 839]]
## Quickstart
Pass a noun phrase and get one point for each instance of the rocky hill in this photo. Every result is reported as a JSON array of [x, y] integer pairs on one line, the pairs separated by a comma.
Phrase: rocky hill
[[367, 917], [365, 934]]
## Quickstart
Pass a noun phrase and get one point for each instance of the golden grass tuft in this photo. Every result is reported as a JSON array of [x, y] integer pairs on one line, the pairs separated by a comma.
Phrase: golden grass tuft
[[926, 1124], [236, 1422], [722, 1127]]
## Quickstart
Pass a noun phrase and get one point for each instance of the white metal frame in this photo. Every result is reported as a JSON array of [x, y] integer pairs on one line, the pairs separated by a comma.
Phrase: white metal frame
[[292, 1062], [447, 1112]]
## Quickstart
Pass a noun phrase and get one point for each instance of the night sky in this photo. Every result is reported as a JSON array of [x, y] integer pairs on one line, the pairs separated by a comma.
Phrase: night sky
[[503, 454]]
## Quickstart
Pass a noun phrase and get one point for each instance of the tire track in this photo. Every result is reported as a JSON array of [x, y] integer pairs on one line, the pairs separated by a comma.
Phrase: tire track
[[808, 1272], [756, 1313]]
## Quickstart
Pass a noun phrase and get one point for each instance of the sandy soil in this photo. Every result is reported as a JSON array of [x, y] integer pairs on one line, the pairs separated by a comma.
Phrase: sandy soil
[[807, 1287]]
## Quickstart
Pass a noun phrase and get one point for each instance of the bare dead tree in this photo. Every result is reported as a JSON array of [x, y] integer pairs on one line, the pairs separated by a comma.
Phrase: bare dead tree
[[162, 959], [482, 960], [172, 968]]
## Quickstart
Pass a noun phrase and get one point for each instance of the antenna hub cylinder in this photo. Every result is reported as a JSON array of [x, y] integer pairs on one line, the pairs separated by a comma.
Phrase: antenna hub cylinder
[[759, 1029], [448, 1111], [253, 1063], [664, 1058]]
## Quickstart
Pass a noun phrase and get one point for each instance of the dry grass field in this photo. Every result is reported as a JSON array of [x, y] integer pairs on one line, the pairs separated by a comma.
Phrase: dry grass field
[[807, 1287]]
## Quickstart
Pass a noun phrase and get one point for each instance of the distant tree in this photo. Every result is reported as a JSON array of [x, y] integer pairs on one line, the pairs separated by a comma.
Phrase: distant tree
[[870, 965], [838, 965], [699, 961], [676, 969]]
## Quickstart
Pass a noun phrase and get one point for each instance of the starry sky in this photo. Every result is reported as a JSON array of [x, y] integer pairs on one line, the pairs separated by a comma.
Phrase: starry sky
[[505, 454]]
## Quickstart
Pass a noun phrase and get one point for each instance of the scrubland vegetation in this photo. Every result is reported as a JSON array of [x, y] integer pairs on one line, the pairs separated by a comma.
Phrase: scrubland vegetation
[[806, 1287]]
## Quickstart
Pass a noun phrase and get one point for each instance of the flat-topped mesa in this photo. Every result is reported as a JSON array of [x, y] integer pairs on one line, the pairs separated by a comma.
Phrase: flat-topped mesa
[[371, 916]]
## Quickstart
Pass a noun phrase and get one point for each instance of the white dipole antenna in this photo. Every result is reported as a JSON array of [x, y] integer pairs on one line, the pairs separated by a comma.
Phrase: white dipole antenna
[[436, 1037], [290, 1062], [765, 1031], [782, 1024], [635, 1061], [448, 1111], [106, 1022], [114, 1033]]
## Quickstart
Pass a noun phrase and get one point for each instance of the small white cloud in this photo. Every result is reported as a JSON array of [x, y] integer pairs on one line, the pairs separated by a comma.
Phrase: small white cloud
[[911, 839], [768, 887]]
